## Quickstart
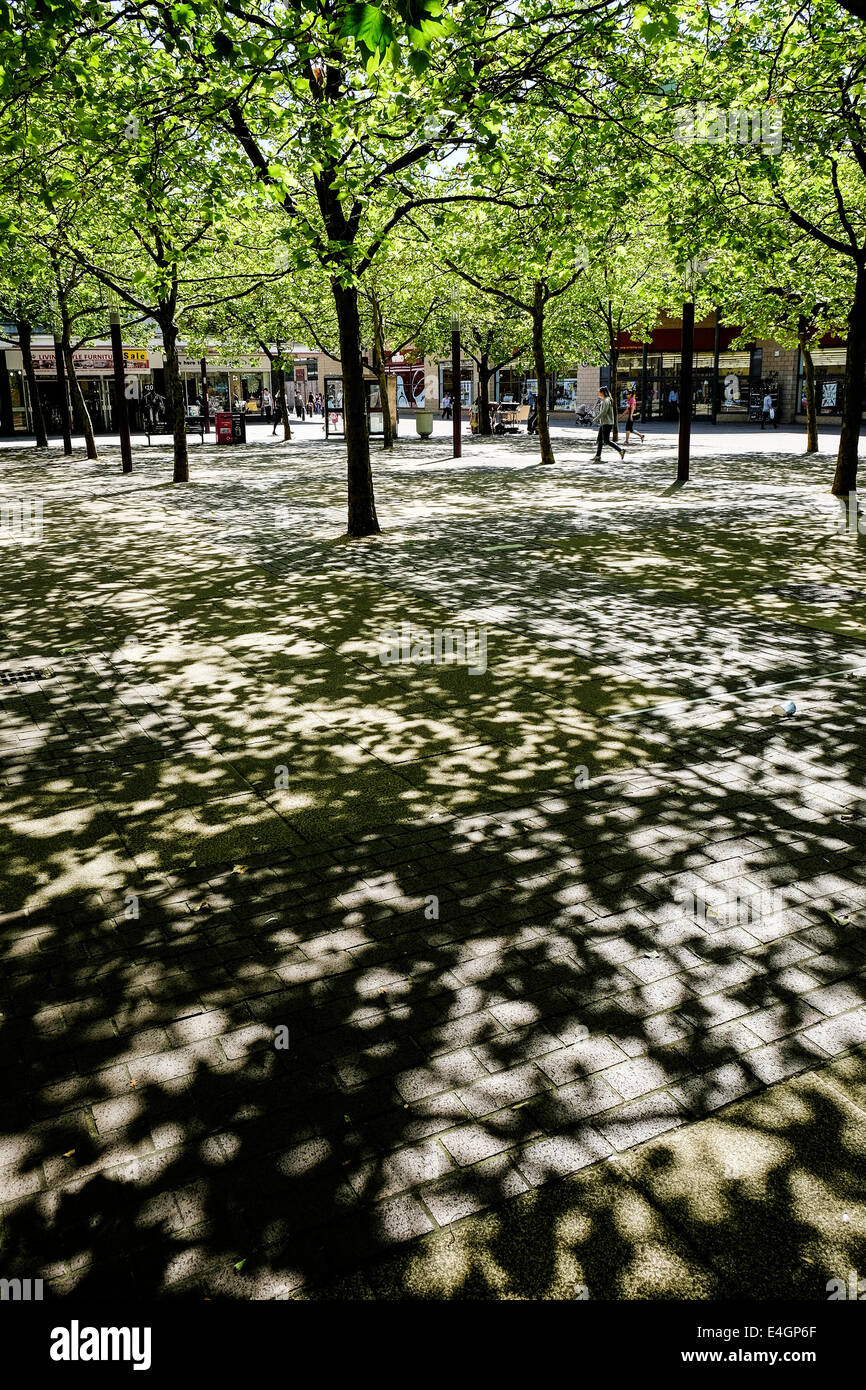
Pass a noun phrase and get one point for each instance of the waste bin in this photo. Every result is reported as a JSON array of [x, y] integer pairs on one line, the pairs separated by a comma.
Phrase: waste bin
[[231, 427], [223, 421]]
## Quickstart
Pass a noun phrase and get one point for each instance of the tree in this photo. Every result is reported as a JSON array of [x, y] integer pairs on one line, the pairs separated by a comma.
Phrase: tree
[[347, 115], [776, 123]]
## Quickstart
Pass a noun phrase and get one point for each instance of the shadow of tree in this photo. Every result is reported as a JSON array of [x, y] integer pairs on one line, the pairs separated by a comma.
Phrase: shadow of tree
[[494, 973]]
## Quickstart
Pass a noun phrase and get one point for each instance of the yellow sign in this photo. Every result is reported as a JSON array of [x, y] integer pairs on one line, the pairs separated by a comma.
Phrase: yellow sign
[[135, 357]]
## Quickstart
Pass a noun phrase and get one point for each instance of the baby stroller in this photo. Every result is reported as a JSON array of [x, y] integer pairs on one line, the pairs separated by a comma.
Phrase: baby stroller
[[584, 416]]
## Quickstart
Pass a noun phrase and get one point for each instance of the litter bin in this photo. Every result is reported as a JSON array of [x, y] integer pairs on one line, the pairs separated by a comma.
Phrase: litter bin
[[223, 421], [231, 427]]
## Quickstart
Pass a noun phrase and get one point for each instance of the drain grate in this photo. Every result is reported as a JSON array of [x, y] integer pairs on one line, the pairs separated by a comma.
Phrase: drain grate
[[21, 677]]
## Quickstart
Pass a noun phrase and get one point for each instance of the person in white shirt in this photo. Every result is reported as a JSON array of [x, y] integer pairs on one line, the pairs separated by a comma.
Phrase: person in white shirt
[[768, 412], [446, 407]]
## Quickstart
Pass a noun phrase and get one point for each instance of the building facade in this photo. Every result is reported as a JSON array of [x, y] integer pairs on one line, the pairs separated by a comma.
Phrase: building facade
[[729, 383]]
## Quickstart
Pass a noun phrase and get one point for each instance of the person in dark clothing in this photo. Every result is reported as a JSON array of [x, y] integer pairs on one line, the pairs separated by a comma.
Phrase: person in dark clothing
[[606, 421]]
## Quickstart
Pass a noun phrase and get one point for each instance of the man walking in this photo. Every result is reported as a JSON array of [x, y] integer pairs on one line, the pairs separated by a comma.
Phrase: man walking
[[768, 412], [606, 419], [446, 407]]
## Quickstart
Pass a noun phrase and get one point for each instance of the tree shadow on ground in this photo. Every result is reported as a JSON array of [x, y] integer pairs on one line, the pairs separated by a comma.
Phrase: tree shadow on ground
[[493, 973]]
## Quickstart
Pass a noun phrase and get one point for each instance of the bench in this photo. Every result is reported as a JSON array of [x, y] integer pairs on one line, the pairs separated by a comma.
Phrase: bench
[[190, 426]]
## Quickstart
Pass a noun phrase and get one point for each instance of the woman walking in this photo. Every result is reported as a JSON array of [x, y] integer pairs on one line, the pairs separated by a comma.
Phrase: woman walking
[[630, 408], [606, 420]]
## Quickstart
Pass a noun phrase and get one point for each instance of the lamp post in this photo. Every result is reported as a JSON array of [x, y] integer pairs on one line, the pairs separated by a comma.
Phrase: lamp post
[[205, 402], [60, 368], [717, 343], [456, 392], [120, 411], [695, 270]]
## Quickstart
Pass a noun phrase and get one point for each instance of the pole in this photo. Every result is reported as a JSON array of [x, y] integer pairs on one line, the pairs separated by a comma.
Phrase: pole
[[685, 392], [643, 383], [717, 343], [205, 403], [7, 417], [122, 420], [456, 392], [64, 401]]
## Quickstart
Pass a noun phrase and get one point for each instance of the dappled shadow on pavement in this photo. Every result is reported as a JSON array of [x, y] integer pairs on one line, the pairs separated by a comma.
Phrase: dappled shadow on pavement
[[306, 955]]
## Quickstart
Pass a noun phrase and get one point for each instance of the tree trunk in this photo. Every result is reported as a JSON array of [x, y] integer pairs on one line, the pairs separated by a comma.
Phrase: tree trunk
[[811, 403], [25, 335], [79, 405], [362, 520], [284, 405], [541, 375], [614, 392], [381, 374], [485, 372], [845, 480], [174, 392]]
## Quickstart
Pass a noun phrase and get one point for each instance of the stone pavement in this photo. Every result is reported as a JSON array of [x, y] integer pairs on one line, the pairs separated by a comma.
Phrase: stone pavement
[[571, 914]]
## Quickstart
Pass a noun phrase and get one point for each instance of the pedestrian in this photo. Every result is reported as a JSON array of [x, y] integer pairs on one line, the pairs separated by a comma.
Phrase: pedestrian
[[267, 403], [630, 409], [446, 406], [278, 411], [532, 417], [299, 405], [768, 412], [673, 403], [606, 419], [310, 405]]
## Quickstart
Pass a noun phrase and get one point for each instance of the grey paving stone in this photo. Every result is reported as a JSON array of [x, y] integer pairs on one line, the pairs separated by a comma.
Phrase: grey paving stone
[[781, 1019], [711, 1009], [780, 1060], [405, 1168], [838, 998], [713, 1089], [476, 1142], [640, 1120], [580, 1059], [578, 1101], [503, 1089], [441, 1074], [474, 1189], [643, 1074], [839, 1034], [561, 1154]]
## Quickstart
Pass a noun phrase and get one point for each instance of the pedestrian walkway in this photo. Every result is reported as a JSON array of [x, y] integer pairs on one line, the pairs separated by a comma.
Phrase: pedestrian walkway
[[310, 954]]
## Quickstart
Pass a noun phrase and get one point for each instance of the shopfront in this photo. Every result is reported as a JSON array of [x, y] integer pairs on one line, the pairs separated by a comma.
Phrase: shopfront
[[741, 378], [94, 370], [306, 379], [446, 384], [230, 386], [407, 370], [829, 364]]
